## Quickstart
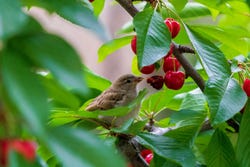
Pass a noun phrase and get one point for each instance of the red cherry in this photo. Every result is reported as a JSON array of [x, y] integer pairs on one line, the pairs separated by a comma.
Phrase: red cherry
[[246, 86], [148, 69], [174, 79], [173, 26], [168, 24], [156, 81], [133, 44], [25, 148], [91, 0], [4, 150], [149, 157], [145, 152], [171, 64]]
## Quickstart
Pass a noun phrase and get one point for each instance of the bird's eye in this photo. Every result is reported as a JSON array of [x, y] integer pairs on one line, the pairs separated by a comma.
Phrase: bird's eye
[[128, 81]]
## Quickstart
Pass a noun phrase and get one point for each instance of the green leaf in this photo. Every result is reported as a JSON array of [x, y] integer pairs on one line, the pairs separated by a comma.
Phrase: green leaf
[[248, 3], [59, 94], [227, 6], [153, 37], [118, 111], [190, 118], [162, 162], [194, 10], [168, 148], [128, 27], [12, 19], [43, 152], [188, 125], [17, 160], [137, 127], [95, 81], [179, 5], [243, 144], [62, 116], [124, 127], [165, 98], [134, 66], [111, 46], [226, 37], [201, 143], [225, 98], [74, 11], [53, 53], [131, 128], [237, 11], [220, 152], [194, 100], [98, 6], [78, 147], [213, 60], [24, 90]]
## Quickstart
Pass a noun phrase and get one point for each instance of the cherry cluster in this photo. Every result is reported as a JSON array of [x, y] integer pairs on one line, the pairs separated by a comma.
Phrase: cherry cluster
[[24, 147], [173, 78]]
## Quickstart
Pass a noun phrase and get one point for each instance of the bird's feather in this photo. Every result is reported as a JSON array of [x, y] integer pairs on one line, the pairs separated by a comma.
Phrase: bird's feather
[[107, 100]]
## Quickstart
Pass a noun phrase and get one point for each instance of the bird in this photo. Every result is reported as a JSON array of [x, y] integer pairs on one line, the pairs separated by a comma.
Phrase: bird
[[120, 93]]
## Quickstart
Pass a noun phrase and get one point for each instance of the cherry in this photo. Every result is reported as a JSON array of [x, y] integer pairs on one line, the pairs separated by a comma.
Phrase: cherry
[[174, 79], [168, 24], [171, 64], [145, 152], [25, 148], [149, 157], [246, 86], [156, 81], [148, 69], [173, 26], [91, 0], [133, 44], [4, 147]]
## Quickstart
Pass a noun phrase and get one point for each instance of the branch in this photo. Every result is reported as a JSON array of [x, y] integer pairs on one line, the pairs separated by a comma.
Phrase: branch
[[178, 49], [129, 146], [189, 70], [131, 149], [128, 6]]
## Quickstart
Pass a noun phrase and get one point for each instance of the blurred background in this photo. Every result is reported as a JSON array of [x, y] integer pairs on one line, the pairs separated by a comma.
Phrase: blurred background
[[87, 43]]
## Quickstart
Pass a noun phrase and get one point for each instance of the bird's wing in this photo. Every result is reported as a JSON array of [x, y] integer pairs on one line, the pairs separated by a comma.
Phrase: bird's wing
[[107, 100]]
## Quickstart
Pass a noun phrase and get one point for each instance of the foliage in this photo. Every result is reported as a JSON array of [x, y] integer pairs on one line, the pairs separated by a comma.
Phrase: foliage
[[45, 87]]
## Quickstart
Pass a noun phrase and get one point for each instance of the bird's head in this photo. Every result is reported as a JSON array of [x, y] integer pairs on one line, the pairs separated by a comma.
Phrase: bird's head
[[127, 82]]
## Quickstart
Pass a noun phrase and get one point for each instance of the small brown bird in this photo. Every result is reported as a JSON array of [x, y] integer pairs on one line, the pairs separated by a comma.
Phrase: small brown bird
[[120, 93]]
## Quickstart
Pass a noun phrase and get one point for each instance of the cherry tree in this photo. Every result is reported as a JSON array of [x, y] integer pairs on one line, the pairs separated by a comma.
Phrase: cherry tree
[[195, 54]]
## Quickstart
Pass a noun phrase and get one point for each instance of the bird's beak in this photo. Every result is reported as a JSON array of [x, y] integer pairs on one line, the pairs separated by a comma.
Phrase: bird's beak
[[138, 79]]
